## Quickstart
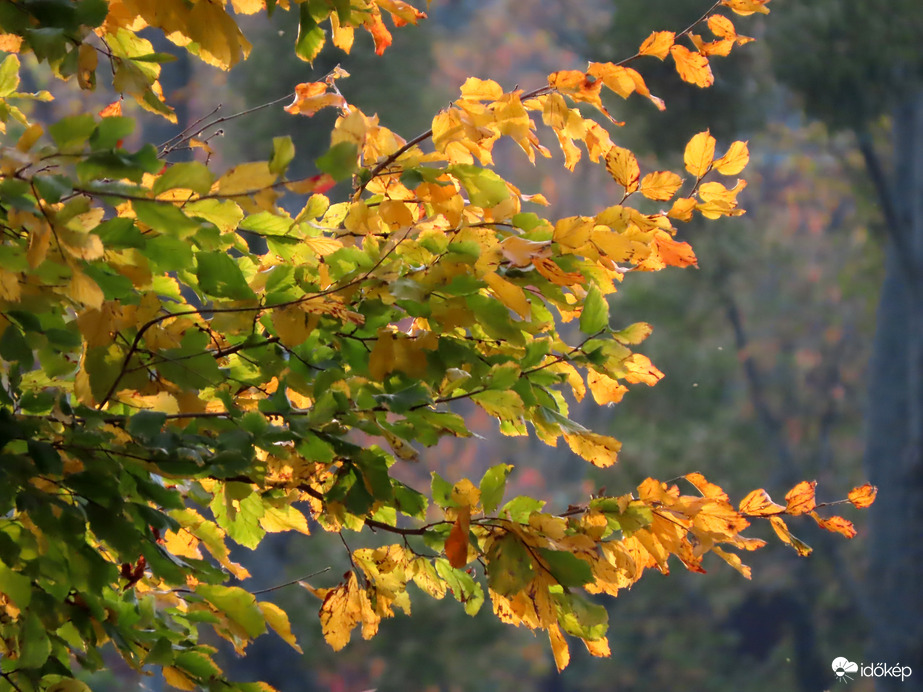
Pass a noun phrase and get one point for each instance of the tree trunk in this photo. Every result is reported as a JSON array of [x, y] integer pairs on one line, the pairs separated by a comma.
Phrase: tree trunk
[[894, 452]]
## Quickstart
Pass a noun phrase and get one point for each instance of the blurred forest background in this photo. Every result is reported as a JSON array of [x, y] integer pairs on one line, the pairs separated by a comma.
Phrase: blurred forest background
[[769, 348]]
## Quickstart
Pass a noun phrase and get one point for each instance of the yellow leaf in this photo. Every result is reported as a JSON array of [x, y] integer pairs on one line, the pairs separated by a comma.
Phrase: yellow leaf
[[558, 647], [182, 544], [640, 369], [733, 560], [9, 286], [340, 612], [246, 178], [598, 647], [311, 97], [604, 389], [747, 7], [248, 6], [521, 252], [699, 154], [278, 620], [782, 531], [661, 185], [623, 166], [624, 81], [87, 60], [475, 89], [221, 42], [174, 677], [759, 504], [723, 27], [285, 518], [292, 325], [657, 44], [599, 450], [84, 290], [692, 67], [509, 294], [734, 161]]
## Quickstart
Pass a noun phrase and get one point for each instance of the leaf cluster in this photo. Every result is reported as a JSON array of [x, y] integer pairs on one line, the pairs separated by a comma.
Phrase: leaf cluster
[[169, 386]]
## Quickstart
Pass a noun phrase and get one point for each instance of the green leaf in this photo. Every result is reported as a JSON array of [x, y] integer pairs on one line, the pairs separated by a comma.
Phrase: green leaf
[[146, 425], [9, 75], [310, 36], [16, 586], [340, 160], [283, 151], [15, 348], [463, 587], [506, 405], [580, 617], [568, 569], [509, 565], [119, 164], [71, 134], [34, 645], [53, 187], [484, 187], [493, 485], [220, 276], [595, 314], [110, 131], [520, 507], [190, 175], [441, 491], [240, 606]]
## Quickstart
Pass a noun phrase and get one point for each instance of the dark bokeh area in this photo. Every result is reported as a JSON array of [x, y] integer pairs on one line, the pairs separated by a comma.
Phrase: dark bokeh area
[[780, 365]]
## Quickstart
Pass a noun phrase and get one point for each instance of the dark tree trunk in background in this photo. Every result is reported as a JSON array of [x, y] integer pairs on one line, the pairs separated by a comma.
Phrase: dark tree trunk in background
[[894, 451]]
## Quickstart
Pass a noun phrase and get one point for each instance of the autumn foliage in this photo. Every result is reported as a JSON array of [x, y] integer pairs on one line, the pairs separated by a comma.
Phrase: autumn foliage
[[186, 363]]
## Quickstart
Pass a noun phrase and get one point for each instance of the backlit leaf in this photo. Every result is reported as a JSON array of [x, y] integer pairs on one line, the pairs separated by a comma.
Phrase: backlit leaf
[[692, 67], [863, 496], [657, 44], [699, 154]]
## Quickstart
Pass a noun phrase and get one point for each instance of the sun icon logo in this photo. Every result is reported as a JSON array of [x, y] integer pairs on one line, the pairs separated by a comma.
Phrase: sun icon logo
[[842, 666]]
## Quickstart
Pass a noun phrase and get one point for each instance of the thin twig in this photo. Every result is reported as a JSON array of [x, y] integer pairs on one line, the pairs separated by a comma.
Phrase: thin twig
[[290, 583]]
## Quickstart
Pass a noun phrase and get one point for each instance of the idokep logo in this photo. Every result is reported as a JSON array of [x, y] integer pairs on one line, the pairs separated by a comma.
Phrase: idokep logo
[[846, 669], [843, 667]]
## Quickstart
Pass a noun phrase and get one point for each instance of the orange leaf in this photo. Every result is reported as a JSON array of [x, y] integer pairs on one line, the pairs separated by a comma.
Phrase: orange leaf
[[781, 529], [660, 185], [699, 154], [801, 498], [863, 496], [311, 97], [657, 44], [692, 67], [682, 209], [551, 271], [747, 7], [836, 525], [707, 489], [578, 85], [456, 545], [380, 34], [759, 504], [112, 110]]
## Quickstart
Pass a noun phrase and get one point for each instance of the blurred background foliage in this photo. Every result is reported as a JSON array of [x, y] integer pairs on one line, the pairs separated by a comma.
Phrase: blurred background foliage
[[765, 347]]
